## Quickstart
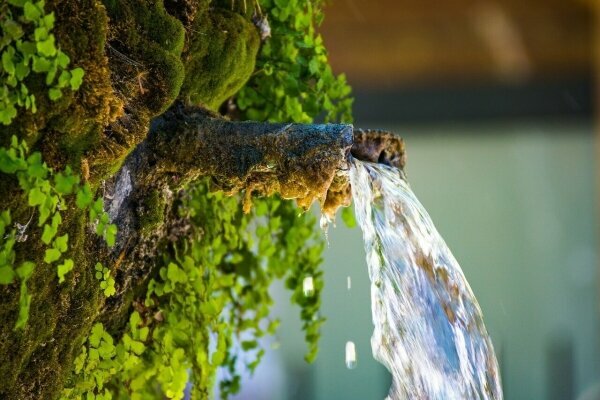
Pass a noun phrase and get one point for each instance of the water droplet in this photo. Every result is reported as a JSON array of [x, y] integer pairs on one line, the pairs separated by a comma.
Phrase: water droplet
[[349, 282], [324, 223], [308, 286], [350, 355]]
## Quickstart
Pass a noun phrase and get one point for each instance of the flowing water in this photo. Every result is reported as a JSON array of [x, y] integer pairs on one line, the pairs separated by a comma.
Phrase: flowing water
[[429, 329]]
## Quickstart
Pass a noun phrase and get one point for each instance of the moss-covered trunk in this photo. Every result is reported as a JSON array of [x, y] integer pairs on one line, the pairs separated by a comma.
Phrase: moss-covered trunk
[[139, 128]]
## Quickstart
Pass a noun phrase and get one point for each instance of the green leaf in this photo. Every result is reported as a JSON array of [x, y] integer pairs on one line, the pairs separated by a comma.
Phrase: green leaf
[[143, 334], [348, 217], [31, 12], [64, 183], [61, 243], [84, 197], [96, 335], [63, 269], [51, 255], [49, 233], [49, 20], [137, 347], [7, 63], [62, 59], [41, 64], [176, 274], [47, 47], [24, 304], [36, 197], [36, 167], [249, 345], [7, 275], [54, 94], [76, 78], [111, 235], [12, 29], [25, 270], [134, 320], [41, 33]]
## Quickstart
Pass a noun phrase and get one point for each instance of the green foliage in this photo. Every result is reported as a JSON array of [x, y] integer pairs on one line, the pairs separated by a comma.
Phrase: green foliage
[[294, 81], [209, 307], [101, 360], [107, 282], [47, 193], [212, 292], [28, 45]]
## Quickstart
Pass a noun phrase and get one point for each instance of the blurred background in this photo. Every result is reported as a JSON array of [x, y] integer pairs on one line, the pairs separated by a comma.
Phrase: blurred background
[[495, 102]]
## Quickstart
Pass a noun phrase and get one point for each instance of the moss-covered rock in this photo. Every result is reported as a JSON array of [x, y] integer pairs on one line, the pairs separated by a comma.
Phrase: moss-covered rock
[[220, 58], [137, 56]]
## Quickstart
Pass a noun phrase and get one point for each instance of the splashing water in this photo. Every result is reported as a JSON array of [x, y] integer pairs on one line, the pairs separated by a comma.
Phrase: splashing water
[[429, 330]]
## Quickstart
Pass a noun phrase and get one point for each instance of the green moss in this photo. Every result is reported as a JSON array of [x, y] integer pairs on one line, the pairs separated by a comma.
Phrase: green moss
[[216, 68], [69, 126], [136, 57], [152, 213], [60, 317]]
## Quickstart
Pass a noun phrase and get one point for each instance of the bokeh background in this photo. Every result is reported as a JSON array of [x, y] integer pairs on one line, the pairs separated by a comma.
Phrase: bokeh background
[[495, 100]]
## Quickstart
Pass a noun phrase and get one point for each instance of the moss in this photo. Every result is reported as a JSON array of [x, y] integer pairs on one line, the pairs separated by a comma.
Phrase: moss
[[136, 57], [152, 212], [70, 126], [217, 68], [37, 359]]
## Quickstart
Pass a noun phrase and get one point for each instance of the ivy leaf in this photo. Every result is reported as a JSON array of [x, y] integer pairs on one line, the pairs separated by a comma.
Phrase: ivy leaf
[[175, 274], [62, 59]]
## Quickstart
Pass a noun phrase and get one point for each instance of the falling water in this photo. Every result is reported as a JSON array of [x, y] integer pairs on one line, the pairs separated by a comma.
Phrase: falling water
[[429, 330]]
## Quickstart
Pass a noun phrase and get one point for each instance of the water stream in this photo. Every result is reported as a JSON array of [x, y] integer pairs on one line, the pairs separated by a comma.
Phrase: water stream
[[429, 329]]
